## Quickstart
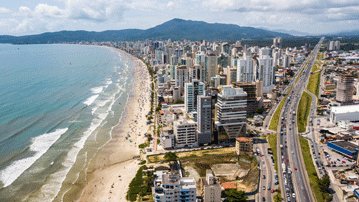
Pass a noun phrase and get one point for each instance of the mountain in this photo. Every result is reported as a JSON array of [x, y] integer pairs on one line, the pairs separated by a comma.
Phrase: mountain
[[290, 32], [346, 33], [176, 29]]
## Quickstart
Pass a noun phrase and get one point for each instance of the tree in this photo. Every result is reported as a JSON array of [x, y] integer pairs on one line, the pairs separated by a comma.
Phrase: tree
[[179, 101], [235, 196], [324, 183], [260, 110], [170, 156]]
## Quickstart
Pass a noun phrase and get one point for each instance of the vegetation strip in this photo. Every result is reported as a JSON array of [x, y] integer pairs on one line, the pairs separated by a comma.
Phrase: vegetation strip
[[303, 111], [275, 118], [314, 83], [320, 186]]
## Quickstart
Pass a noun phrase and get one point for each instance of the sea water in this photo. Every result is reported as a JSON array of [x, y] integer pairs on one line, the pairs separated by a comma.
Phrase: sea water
[[58, 105]]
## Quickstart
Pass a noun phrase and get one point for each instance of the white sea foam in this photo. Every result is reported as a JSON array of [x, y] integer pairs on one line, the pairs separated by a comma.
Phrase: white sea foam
[[90, 100], [97, 90], [108, 82], [40, 145], [54, 182]]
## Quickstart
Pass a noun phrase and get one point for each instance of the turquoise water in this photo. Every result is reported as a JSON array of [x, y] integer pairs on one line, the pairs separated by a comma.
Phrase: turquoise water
[[55, 99]]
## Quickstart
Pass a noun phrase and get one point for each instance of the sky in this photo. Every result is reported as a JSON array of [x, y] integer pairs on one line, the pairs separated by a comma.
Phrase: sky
[[24, 17]]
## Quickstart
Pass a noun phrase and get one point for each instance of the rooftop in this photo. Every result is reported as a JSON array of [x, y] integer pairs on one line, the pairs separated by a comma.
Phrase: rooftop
[[244, 139], [345, 109], [228, 185], [346, 145]]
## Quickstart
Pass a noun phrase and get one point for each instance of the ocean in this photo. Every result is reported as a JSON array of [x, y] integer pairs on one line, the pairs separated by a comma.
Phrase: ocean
[[58, 105]]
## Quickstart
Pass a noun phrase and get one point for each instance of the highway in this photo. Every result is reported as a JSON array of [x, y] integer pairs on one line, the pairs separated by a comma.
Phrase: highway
[[293, 176], [267, 169]]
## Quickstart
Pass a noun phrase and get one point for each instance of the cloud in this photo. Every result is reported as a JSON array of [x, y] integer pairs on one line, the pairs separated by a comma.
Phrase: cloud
[[4, 10]]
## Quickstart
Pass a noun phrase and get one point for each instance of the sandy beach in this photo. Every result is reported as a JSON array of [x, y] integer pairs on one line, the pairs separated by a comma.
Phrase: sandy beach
[[110, 173]]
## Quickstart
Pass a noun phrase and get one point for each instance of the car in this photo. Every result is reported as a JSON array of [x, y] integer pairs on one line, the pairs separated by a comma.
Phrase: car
[[293, 195], [287, 160], [343, 161], [268, 187], [264, 187], [288, 199], [292, 152], [271, 191], [264, 199], [264, 177], [295, 168]]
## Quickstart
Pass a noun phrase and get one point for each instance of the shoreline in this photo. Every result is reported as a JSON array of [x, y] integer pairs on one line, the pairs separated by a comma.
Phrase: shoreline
[[116, 158]]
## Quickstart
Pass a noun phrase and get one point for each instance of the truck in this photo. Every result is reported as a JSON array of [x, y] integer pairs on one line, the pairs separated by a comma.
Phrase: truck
[[284, 167]]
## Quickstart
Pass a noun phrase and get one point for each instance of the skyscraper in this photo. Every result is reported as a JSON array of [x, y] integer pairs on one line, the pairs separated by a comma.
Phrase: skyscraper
[[210, 66], [204, 119], [192, 90], [231, 113], [285, 61], [245, 69], [345, 89], [196, 72], [182, 77], [265, 73]]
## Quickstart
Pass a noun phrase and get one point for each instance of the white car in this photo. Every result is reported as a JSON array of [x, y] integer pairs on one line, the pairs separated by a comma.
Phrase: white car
[[293, 195]]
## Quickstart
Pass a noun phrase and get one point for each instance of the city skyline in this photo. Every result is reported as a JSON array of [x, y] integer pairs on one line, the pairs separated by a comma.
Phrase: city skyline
[[313, 17]]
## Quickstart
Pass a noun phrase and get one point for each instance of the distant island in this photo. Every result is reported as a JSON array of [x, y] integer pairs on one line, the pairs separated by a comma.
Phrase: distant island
[[175, 29]]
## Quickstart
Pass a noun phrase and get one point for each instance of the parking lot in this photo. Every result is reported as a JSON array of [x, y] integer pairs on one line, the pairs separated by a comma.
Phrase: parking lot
[[334, 159]]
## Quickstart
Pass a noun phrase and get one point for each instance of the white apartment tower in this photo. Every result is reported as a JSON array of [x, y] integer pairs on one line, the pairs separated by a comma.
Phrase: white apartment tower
[[210, 66], [196, 72], [285, 61], [266, 73], [231, 113], [191, 91], [181, 77], [245, 69], [171, 187], [185, 132]]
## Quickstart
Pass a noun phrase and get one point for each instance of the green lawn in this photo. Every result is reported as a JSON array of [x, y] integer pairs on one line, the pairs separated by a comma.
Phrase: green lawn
[[272, 140], [312, 174], [315, 67], [303, 111], [275, 118], [314, 83]]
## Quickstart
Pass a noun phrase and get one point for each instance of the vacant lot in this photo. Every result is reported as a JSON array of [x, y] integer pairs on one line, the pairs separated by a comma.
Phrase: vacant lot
[[192, 154]]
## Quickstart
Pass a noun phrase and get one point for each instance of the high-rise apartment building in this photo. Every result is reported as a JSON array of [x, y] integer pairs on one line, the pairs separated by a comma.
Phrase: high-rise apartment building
[[191, 91], [266, 73], [231, 75], [231, 113], [211, 189], [181, 77], [204, 119], [285, 61], [250, 88], [345, 89], [210, 66], [245, 69], [196, 72], [185, 131], [171, 187]]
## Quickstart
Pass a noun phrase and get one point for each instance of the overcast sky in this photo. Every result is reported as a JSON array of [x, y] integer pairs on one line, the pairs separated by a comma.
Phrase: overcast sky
[[21, 17]]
